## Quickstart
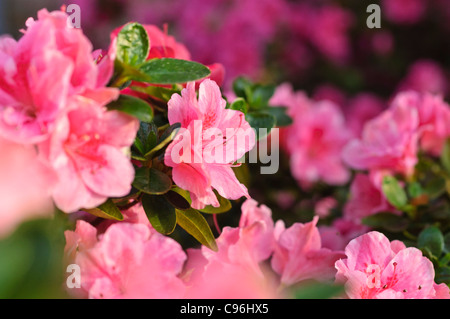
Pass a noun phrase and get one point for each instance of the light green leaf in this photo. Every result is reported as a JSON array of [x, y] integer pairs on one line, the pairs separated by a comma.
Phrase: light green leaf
[[133, 106], [196, 225], [107, 210], [160, 213]]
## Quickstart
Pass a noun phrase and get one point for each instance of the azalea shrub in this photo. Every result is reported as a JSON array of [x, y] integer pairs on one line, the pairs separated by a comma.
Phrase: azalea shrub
[[141, 170]]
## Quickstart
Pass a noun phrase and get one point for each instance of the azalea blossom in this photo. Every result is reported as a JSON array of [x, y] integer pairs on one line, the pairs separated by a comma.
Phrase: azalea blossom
[[299, 254], [88, 153], [388, 142], [128, 261], [376, 268], [241, 252], [211, 139]]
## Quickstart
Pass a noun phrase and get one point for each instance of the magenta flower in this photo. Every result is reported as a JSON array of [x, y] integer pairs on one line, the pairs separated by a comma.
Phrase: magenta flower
[[210, 140], [88, 153], [128, 261], [299, 254], [378, 269]]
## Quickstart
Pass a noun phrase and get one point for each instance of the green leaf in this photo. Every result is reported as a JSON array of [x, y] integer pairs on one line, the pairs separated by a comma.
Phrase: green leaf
[[261, 95], [133, 106], [160, 213], [415, 189], [177, 200], [394, 192], [152, 181], [225, 205], [258, 120], [431, 238], [106, 210], [196, 225], [435, 187], [164, 140], [445, 155], [159, 92], [447, 243], [387, 221], [172, 71], [318, 290], [242, 87], [279, 112], [146, 137], [239, 105], [132, 45]]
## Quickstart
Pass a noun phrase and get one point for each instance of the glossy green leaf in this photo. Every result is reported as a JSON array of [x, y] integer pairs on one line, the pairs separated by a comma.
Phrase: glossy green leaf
[[152, 181], [225, 205], [394, 192], [107, 210], [158, 92], [133, 106], [177, 200], [164, 140], [261, 95], [196, 225], [160, 213], [262, 121], [172, 71], [432, 239], [280, 114], [132, 44], [239, 105]]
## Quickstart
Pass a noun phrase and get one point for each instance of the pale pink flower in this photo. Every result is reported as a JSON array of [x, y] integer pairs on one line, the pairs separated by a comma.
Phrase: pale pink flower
[[388, 142], [128, 261], [26, 184], [434, 118], [378, 269], [299, 254], [212, 138], [31, 101], [88, 153]]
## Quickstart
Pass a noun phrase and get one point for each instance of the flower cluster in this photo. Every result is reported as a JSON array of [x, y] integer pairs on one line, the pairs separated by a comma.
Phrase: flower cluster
[[138, 154]]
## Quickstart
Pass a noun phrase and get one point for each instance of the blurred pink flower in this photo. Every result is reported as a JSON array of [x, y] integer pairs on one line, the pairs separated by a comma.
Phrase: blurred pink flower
[[404, 11], [197, 169], [299, 254], [388, 142], [235, 270], [434, 118], [378, 269], [26, 184], [340, 232], [362, 108], [365, 199], [87, 151], [315, 142], [324, 206], [128, 261], [425, 76]]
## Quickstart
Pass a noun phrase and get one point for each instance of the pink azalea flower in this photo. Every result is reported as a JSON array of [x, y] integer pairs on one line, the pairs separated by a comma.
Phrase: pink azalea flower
[[340, 232], [128, 261], [235, 270], [434, 118], [362, 108], [425, 76], [31, 101], [388, 142], [324, 206], [299, 254], [25, 186], [212, 138], [404, 11], [315, 141], [366, 198], [87, 151], [378, 269]]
